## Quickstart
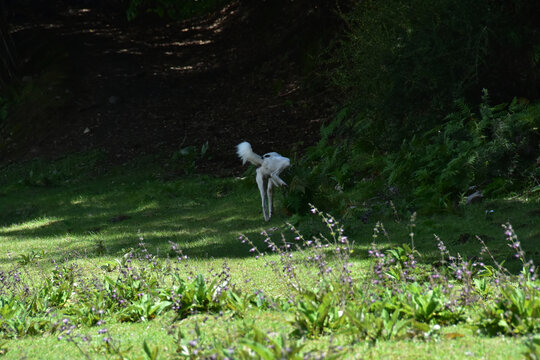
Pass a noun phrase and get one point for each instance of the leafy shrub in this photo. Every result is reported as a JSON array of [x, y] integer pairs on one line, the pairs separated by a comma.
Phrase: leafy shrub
[[515, 312], [196, 296], [428, 305], [396, 298], [533, 348], [317, 313], [336, 163], [372, 326], [187, 157], [400, 68], [404, 62], [495, 150]]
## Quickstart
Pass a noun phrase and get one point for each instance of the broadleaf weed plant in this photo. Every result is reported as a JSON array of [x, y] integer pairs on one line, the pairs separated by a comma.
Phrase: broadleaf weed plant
[[138, 288], [317, 270], [515, 309], [532, 351], [399, 296], [246, 341], [311, 265]]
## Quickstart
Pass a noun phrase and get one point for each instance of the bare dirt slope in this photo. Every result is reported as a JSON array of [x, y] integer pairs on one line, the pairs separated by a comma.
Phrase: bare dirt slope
[[154, 86]]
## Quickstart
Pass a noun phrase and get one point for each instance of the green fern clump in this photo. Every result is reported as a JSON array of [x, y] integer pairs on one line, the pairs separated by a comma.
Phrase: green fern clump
[[330, 170], [401, 64], [494, 150], [400, 67]]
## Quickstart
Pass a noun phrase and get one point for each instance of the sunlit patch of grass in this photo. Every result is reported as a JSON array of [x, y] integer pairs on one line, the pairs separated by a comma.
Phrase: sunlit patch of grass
[[94, 222], [130, 336], [468, 347]]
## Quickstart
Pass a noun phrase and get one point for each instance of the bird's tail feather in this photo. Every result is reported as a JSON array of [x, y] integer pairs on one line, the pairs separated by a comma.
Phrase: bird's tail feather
[[245, 153]]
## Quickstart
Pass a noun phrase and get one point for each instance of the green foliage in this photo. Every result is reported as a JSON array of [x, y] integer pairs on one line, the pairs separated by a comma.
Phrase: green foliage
[[241, 303], [402, 254], [483, 286], [428, 305], [144, 308], [196, 296], [404, 62], [515, 312], [401, 67], [494, 151], [59, 288], [257, 342], [111, 348], [31, 257], [151, 353], [385, 325], [187, 157], [247, 342], [533, 348], [400, 310], [317, 313], [42, 173], [412, 298], [334, 164]]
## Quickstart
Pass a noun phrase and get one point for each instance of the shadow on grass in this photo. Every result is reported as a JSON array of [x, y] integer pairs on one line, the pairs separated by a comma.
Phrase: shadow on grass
[[205, 216]]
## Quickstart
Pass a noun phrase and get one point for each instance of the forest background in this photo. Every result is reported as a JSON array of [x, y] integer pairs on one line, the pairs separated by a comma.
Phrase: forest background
[[118, 126]]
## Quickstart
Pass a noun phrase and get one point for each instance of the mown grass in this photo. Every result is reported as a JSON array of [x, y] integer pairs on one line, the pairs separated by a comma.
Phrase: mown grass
[[157, 334], [72, 212]]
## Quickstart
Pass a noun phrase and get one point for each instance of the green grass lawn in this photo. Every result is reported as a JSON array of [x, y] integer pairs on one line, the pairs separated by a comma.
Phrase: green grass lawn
[[69, 212]]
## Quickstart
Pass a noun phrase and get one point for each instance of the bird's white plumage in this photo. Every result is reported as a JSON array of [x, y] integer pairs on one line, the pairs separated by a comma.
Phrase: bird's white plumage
[[245, 152], [270, 166]]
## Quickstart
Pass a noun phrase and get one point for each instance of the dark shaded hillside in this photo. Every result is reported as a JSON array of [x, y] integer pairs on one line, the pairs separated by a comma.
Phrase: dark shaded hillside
[[92, 80]]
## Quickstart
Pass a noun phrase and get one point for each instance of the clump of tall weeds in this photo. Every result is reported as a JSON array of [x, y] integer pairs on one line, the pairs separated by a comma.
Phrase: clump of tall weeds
[[398, 296]]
